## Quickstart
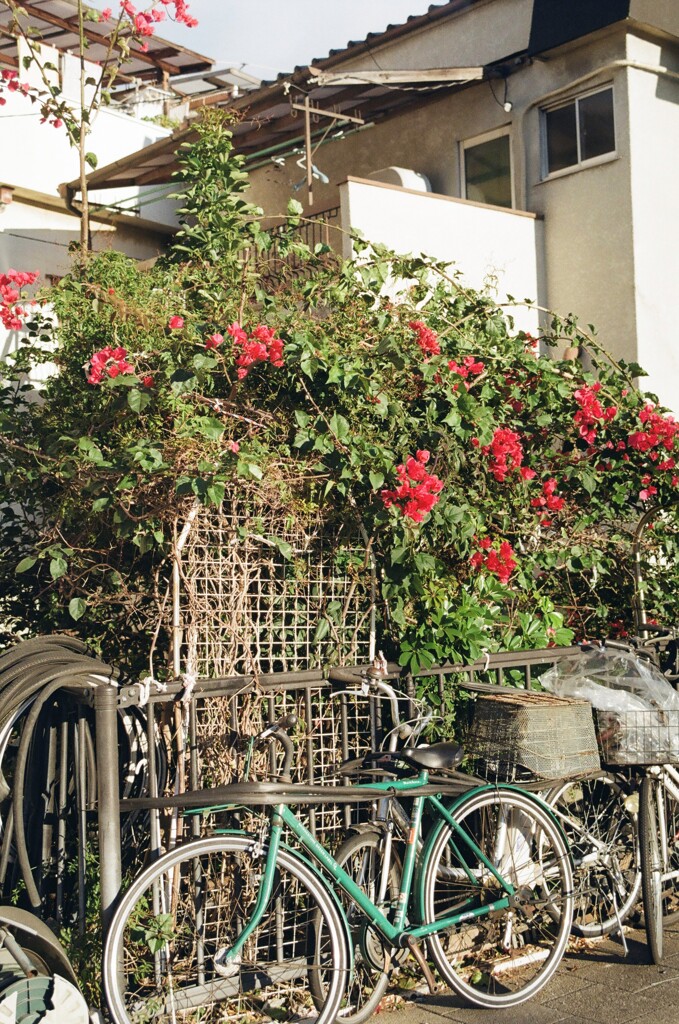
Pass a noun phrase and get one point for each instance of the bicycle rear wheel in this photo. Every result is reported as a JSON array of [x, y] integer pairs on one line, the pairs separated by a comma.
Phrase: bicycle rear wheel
[[159, 957], [501, 958], [601, 828], [362, 856], [651, 867]]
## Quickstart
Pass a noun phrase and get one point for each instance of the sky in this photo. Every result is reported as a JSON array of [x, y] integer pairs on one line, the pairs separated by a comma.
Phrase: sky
[[268, 36]]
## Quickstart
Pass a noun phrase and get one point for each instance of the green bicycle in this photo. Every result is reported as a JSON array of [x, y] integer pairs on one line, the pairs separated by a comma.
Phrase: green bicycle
[[244, 927]]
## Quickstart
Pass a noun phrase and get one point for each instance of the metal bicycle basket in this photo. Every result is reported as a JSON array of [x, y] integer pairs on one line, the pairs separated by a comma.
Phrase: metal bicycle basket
[[517, 736], [638, 737]]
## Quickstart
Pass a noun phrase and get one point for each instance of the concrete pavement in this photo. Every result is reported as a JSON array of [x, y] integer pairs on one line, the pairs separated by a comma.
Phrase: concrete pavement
[[594, 984]]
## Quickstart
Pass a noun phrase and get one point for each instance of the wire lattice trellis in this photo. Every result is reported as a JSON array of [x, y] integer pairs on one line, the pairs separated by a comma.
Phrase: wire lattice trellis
[[264, 588]]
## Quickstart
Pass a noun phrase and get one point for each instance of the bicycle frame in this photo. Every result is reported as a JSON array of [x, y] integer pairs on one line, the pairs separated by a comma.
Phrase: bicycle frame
[[394, 932], [666, 777]]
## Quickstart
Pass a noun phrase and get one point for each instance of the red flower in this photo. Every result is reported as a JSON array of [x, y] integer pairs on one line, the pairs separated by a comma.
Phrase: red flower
[[426, 338], [418, 491], [108, 362], [148, 381], [260, 347], [214, 341], [505, 451], [501, 562], [175, 323]]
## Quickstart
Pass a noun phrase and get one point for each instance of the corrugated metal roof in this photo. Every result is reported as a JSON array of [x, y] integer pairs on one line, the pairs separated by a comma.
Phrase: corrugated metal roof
[[55, 23]]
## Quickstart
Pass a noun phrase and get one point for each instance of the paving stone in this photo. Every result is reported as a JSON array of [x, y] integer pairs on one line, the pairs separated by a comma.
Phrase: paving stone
[[603, 1005], [438, 1009]]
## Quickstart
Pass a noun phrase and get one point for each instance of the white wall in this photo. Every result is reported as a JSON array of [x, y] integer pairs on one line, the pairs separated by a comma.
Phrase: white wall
[[654, 135], [495, 250]]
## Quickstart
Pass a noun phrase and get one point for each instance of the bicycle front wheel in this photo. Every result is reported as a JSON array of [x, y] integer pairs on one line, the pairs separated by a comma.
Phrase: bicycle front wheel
[[600, 822], [504, 957], [651, 867], [187, 907]]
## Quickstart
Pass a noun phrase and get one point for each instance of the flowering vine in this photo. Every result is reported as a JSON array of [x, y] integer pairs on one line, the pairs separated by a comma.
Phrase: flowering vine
[[498, 560], [418, 491], [261, 346]]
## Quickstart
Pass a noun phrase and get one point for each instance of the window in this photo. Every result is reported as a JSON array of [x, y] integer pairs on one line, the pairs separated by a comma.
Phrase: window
[[579, 132], [487, 170]]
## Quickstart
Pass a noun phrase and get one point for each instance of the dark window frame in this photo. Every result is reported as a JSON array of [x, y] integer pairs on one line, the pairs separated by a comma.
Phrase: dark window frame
[[479, 140], [580, 163]]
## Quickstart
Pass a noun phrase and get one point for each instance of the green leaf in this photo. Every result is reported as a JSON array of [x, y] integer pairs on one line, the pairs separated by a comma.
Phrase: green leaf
[[284, 547], [138, 400], [255, 471], [76, 608], [376, 480], [215, 492], [26, 563], [58, 566], [91, 159]]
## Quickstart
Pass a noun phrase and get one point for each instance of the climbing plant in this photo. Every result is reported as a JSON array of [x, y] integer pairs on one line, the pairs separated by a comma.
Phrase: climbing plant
[[497, 485]]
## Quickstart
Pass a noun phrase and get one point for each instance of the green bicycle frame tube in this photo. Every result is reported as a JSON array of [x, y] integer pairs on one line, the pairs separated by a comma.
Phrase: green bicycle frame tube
[[282, 815]]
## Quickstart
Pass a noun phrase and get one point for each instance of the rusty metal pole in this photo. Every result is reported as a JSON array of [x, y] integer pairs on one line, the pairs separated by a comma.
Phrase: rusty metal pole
[[106, 721], [309, 153]]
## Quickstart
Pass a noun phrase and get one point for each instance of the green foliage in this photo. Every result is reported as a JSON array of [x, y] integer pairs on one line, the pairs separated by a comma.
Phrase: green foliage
[[98, 475]]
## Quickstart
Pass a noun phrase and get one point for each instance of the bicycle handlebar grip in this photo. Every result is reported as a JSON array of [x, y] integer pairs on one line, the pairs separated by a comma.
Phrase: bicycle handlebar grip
[[288, 721]]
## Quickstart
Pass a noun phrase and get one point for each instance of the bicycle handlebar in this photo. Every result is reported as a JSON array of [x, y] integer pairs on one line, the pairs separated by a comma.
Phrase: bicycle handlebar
[[279, 731]]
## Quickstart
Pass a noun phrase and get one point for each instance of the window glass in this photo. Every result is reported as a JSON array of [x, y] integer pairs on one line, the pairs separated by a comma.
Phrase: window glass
[[597, 135], [488, 173], [580, 131], [562, 138]]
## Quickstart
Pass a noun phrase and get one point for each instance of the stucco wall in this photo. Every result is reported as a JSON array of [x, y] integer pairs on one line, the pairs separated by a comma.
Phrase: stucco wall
[[654, 134], [494, 250]]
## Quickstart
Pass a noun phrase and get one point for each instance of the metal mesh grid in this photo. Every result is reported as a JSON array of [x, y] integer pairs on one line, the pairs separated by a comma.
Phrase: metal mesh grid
[[266, 588], [638, 737], [330, 730]]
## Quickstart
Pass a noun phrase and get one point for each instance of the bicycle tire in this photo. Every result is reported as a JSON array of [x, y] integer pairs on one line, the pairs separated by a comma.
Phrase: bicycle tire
[[361, 855], [651, 868], [534, 934], [601, 827], [193, 902]]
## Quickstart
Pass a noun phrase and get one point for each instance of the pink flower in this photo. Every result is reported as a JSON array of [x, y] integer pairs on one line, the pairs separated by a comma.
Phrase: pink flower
[[213, 341], [107, 362], [105, 14], [418, 491], [234, 447], [527, 473], [260, 347], [426, 338], [175, 323]]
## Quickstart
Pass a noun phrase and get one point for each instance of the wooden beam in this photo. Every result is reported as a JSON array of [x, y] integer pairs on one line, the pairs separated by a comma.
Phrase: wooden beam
[[93, 37]]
